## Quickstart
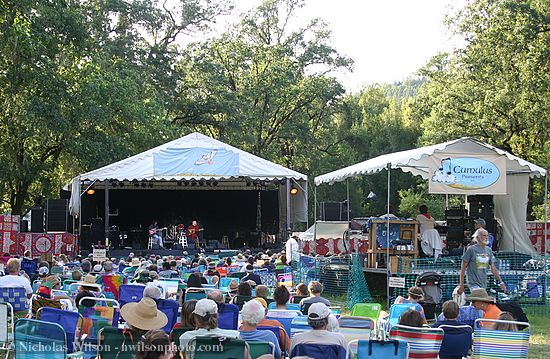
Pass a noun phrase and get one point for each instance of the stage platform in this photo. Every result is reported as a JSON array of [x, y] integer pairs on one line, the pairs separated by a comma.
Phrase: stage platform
[[123, 253]]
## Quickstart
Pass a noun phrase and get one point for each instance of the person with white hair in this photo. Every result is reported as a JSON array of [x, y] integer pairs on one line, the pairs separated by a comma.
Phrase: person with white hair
[[152, 291], [318, 319], [252, 314], [475, 263]]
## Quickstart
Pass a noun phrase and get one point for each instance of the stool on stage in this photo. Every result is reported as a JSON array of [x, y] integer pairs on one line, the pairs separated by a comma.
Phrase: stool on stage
[[182, 240], [151, 241], [225, 242]]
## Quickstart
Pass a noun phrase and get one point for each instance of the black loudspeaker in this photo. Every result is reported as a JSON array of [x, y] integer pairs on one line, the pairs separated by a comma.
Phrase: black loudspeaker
[[334, 211], [23, 226], [57, 215], [177, 246], [37, 220]]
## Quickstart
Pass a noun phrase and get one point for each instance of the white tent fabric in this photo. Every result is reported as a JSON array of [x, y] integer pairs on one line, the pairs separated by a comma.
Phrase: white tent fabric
[[192, 157], [142, 166], [416, 161], [511, 208], [324, 229]]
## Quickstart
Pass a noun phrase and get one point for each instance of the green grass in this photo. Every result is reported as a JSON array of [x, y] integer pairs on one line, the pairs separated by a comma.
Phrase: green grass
[[540, 333]]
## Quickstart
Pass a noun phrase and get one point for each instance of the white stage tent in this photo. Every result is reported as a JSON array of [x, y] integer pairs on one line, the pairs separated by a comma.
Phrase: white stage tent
[[510, 206], [197, 157]]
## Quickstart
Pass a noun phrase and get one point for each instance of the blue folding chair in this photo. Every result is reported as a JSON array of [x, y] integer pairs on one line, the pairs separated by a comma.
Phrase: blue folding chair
[[379, 349], [70, 321], [299, 325], [16, 296], [29, 266], [277, 332], [319, 351], [129, 293], [289, 306], [194, 293], [38, 339], [457, 341], [228, 317], [284, 317], [170, 308]]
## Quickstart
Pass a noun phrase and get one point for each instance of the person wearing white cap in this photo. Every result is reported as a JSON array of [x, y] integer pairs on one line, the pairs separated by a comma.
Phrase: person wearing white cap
[[318, 319], [250, 275], [206, 320], [252, 314]]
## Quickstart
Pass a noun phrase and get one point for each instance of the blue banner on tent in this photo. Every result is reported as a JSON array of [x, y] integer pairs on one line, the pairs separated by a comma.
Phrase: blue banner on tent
[[195, 162]]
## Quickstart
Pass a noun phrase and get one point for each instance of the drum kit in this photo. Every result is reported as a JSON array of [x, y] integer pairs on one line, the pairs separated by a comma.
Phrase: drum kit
[[176, 234]]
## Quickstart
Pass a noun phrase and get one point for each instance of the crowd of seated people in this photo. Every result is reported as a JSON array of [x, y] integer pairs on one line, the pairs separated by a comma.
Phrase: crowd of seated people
[[247, 296]]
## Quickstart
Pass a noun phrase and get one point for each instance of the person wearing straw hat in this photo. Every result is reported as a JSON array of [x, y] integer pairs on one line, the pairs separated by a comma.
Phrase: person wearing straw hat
[[134, 265], [481, 300], [87, 288], [143, 316], [206, 321], [475, 263]]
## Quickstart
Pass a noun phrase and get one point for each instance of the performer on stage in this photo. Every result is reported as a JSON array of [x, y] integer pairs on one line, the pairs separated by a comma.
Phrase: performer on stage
[[193, 233], [156, 234]]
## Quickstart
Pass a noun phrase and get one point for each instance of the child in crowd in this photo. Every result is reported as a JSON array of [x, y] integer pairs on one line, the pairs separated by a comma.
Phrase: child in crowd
[[450, 312]]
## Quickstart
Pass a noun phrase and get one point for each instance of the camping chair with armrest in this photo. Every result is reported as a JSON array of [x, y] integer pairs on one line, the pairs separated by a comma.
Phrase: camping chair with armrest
[[297, 298], [111, 284], [457, 341], [104, 313], [369, 310], [6, 327], [130, 293], [56, 270], [299, 325], [70, 321], [378, 349], [228, 318], [355, 328], [423, 342], [396, 310], [283, 316], [175, 335], [194, 293], [496, 344], [17, 298], [223, 348], [281, 335], [67, 283], [39, 339], [225, 281], [239, 275], [170, 308], [319, 351], [257, 349], [289, 306], [38, 302], [115, 343], [36, 284]]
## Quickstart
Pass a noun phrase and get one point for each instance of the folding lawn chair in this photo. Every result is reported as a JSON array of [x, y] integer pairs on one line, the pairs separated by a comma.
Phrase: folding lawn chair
[[497, 344], [424, 343]]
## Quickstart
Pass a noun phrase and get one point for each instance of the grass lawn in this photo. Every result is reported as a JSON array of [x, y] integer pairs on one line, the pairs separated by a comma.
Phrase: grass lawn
[[540, 333]]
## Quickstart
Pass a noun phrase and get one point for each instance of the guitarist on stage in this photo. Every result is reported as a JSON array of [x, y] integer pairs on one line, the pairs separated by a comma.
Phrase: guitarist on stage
[[193, 233], [156, 234]]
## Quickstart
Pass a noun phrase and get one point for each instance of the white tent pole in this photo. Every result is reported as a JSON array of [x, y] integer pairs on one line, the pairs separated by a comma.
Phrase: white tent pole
[[307, 204], [545, 213], [347, 199], [106, 210], [314, 211], [287, 207], [388, 272], [446, 201]]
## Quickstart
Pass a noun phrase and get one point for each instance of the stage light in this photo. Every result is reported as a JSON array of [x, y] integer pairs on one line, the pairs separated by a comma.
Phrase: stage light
[[179, 183], [248, 183], [91, 191], [143, 184], [121, 184], [115, 184], [151, 184], [293, 190], [186, 183], [282, 182], [135, 182], [193, 183], [215, 183], [201, 183]]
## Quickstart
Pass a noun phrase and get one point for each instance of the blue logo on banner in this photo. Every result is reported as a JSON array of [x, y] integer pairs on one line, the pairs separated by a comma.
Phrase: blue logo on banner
[[195, 162], [468, 173]]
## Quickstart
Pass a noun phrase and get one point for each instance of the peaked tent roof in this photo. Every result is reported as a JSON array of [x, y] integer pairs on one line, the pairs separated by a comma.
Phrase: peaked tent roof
[[142, 166], [415, 161]]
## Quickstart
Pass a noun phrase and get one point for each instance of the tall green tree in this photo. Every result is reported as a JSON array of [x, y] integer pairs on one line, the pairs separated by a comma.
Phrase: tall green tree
[[81, 85], [263, 86]]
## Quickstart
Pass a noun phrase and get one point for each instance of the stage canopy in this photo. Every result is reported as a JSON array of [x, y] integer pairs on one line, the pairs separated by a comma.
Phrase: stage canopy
[[441, 162], [197, 157]]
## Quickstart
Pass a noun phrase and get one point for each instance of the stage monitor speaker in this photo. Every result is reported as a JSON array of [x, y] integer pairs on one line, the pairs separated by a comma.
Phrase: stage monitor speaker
[[137, 246], [57, 213], [23, 226], [37, 220], [334, 211]]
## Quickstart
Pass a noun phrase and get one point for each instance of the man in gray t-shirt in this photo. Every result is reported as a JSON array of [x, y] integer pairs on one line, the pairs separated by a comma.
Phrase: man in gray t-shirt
[[475, 263]]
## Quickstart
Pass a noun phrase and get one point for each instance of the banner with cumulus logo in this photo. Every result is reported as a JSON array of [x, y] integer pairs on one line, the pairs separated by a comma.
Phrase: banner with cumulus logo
[[459, 174]]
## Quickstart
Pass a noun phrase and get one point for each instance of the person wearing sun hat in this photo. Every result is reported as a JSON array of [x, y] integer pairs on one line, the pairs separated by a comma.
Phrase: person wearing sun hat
[[206, 321], [481, 300], [131, 269], [318, 319], [87, 288], [414, 295], [143, 316]]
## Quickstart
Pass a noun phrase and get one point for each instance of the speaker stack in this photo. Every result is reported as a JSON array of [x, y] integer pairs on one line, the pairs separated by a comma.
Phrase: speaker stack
[[57, 215], [482, 206], [456, 222], [334, 211]]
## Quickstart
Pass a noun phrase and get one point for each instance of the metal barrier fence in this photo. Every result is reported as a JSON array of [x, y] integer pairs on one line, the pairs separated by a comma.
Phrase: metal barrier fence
[[336, 273], [526, 277]]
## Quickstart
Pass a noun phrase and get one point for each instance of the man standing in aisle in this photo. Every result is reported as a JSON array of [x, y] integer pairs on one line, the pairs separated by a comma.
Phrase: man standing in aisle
[[475, 263]]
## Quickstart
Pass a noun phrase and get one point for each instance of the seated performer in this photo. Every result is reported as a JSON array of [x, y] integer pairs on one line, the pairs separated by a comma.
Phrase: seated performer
[[155, 233], [193, 233]]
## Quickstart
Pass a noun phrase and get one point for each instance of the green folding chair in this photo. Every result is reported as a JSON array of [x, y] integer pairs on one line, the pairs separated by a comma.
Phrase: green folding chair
[[369, 310], [116, 343], [219, 348], [257, 349]]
